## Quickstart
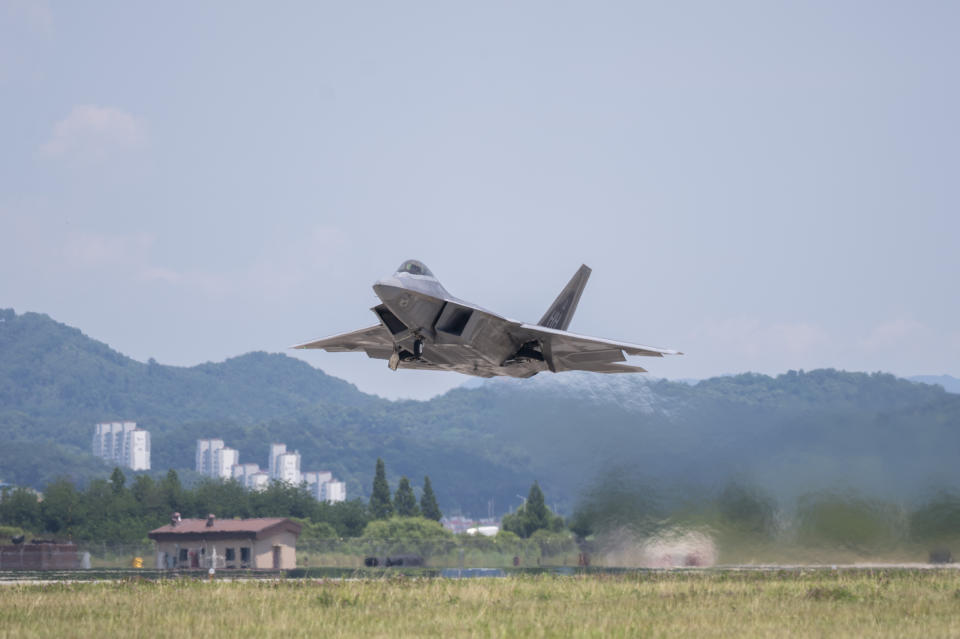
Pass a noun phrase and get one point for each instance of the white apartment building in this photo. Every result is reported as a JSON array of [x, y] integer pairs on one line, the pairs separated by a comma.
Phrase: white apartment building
[[275, 451], [215, 459], [334, 491], [108, 439], [258, 481], [122, 443], [136, 449], [315, 479], [242, 471], [322, 487], [224, 459], [288, 468], [206, 450]]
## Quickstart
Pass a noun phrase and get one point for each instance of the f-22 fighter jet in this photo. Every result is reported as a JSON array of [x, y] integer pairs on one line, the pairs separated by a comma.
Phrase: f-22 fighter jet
[[422, 326]]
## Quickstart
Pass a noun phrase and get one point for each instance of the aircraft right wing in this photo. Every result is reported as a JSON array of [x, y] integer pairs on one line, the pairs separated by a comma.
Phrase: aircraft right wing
[[374, 340], [565, 351]]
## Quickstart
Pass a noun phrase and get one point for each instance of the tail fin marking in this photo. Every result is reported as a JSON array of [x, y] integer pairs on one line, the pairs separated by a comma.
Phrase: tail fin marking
[[560, 313]]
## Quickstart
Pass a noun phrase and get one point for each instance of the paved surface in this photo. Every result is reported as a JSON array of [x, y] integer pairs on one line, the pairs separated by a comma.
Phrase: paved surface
[[10, 578]]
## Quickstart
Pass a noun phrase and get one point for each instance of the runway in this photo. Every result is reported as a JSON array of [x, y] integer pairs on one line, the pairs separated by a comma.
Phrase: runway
[[14, 578]]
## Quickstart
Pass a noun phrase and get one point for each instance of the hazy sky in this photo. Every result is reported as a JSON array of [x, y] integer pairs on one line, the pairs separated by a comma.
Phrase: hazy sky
[[763, 185]]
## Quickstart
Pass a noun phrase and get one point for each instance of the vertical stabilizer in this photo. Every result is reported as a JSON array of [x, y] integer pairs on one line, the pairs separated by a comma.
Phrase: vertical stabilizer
[[560, 313]]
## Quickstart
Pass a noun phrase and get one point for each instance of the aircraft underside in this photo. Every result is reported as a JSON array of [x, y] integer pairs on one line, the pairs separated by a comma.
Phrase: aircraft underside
[[432, 334], [469, 362]]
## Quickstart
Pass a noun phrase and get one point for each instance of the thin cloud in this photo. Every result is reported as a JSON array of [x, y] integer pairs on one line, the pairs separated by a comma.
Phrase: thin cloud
[[281, 271], [160, 274], [36, 14], [898, 333], [752, 337], [93, 133], [87, 249]]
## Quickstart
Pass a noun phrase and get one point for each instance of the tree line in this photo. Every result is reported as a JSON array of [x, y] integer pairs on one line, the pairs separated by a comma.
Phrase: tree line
[[404, 502], [116, 511]]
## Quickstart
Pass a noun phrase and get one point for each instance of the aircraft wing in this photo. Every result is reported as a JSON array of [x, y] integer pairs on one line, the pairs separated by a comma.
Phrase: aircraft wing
[[375, 341], [564, 351]]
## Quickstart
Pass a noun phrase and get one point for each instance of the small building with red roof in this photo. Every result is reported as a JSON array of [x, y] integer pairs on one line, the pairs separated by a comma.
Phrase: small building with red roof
[[266, 543]]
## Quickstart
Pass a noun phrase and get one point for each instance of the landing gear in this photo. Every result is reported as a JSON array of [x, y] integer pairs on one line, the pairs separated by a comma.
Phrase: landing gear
[[403, 355]]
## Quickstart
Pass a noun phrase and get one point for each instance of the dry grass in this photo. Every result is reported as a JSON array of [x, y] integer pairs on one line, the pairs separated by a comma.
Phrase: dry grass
[[712, 604]]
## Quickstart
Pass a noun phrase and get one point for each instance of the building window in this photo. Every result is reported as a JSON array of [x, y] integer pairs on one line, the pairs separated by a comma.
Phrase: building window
[[245, 555], [231, 554], [183, 554]]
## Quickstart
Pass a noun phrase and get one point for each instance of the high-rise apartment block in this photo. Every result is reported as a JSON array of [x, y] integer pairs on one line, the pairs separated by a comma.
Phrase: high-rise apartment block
[[288, 468], [258, 481], [224, 459], [136, 449], [334, 491], [206, 455], [215, 459], [315, 479], [122, 443], [322, 486], [275, 451], [250, 476], [240, 471]]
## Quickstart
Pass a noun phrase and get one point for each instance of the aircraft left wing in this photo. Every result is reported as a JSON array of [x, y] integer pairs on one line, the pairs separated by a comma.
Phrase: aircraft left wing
[[374, 340], [565, 351]]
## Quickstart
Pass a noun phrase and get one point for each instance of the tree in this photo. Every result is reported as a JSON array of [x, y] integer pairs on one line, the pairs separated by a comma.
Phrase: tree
[[380, 505], [173, 492], [938, 520], [747, 510], [117, 480], [847, 520], [532, 516], [536, 509], [406, 529], [62, 507], [348, 517], [405, 501], [311, 531], [428, 502], [20, 507]]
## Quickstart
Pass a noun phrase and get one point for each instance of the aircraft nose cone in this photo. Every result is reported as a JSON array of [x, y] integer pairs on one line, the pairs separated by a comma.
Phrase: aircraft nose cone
[[388, 288]]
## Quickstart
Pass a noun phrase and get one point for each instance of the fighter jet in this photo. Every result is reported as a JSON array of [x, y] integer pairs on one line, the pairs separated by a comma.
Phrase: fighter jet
[[422, 326]]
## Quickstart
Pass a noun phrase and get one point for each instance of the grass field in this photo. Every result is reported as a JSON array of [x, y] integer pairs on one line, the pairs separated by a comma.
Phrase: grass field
[[893, 603]]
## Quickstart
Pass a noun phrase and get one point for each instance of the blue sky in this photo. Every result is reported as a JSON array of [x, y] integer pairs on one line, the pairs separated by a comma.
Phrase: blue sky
[[763, 185]]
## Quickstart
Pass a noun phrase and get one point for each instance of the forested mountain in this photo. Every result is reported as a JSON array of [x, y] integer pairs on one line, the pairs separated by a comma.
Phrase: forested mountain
[[949, 383], [791, 434]]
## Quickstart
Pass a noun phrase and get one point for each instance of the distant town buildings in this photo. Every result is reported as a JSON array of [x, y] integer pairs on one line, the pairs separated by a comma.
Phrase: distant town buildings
[[315, 479], [122, 443], [224, 459], [215, 459], [275, 451], [288, 468], [460, 524], [243, 472], [333, 491], [206, 449]]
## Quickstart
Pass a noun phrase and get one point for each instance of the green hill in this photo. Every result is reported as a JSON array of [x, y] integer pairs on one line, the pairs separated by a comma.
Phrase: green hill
[[56, 383], [791, 434]]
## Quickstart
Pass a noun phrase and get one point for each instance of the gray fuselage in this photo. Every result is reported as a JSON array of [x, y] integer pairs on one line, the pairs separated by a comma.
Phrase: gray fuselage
[[456, 335]]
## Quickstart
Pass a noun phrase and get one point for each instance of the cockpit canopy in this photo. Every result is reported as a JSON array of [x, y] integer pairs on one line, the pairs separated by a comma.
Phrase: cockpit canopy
[[414, 267]]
